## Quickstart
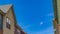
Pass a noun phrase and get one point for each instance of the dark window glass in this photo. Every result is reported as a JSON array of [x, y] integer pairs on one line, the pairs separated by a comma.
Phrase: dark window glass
[[1, 21], [8, 25]]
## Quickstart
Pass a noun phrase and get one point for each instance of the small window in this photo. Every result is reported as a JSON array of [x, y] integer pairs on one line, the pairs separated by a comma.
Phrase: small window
[[1, 21], [8, 23], [18, 31]]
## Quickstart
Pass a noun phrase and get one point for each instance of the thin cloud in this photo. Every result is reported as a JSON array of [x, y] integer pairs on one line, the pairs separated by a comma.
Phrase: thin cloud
[[49, 30], [24, 26], [50, 14], [27, 26], [41, 23]]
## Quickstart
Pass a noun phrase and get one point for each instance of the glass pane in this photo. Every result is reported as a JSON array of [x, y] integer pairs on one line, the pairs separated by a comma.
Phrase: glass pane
[[7, 20], [1, 21]]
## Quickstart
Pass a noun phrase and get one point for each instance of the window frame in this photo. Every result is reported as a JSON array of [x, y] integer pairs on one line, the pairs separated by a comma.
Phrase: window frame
[[18, 31], [8, 21], [1, 24]]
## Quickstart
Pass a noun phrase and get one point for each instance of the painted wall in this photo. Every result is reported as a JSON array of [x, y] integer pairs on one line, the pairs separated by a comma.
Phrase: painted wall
[[58, 10], [11, 17]]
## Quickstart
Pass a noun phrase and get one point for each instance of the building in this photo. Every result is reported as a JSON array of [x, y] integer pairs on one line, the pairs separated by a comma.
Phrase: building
[[56, 20], [18, 30], [8, 24]]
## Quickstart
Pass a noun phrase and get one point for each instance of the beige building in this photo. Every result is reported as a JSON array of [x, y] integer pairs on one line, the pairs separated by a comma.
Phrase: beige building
[[56, 21], [7, 20]]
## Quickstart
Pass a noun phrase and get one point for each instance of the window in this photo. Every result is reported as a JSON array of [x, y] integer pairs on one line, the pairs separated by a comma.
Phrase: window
[[18, 31], [8, 23], [1, 21]]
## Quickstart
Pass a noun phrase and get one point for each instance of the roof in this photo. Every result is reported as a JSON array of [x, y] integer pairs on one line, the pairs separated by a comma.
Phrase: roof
[[18, 27], [5, 8]]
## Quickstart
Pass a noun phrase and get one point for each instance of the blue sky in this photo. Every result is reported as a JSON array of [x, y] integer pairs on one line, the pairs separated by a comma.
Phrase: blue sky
[[33, 16]]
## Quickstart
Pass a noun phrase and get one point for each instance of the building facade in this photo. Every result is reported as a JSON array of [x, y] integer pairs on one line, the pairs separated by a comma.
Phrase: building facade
[[18, 30], [56, 21], [8, 22]]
